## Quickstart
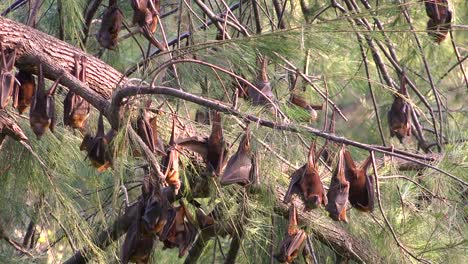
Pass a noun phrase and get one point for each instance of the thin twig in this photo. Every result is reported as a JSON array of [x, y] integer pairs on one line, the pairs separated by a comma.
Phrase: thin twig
[[136, 90]]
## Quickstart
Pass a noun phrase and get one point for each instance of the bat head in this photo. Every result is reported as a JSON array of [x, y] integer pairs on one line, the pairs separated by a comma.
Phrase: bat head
[[39, 125], [312, 201], [244, 145], [87, 142]]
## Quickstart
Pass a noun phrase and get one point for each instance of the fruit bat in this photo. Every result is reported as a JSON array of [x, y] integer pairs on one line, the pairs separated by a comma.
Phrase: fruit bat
[[145, 15], [338, 191], [7, 78], [298, 100], [138, 243], [147, 130], [361, 190], [179, 231], [307, 184], [156, 209], [262, 83], [42, 112], [399, 116], [97, 147], [241, 167], [75, 108], [294, 241], [440, 18], [213, 149], [26, 89], [170, 163], [110, 26]]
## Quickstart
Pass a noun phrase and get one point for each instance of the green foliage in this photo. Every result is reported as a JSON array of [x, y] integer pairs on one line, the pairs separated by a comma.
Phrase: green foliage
[[69, 201]]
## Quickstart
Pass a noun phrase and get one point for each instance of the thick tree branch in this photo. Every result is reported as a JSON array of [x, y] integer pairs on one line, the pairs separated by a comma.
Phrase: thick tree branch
[[101, 78]]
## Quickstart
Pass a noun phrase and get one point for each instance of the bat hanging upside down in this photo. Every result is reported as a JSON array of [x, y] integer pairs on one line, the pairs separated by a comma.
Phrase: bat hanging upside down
[[75, 108], [361, 190], [42, 112], [294, 241], [97, 147], [241, 167], [338, 191], [399, 116], [307, 184]]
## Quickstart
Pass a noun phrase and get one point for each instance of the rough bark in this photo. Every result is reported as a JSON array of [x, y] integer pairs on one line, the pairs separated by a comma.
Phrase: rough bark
[[101, 77]]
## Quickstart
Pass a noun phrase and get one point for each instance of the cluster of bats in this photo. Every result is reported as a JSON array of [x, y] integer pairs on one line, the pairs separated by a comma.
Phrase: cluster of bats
[[25, 93], [157, 217], [145, 15], [440, 18]]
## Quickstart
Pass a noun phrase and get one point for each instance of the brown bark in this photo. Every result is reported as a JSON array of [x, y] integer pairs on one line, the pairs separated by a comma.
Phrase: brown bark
[[101, 78]]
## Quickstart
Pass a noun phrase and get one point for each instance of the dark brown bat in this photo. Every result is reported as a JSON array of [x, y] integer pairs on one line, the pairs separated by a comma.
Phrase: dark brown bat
[[307, 184], [262, 83], [361, 189], [179, 231], [338, 191], [145, 15], [138, 243], [213, 149], [7, 78], [399, 116], [147, 130], [156, 207], [294, 241], [110, 26], [42, 112], [26, 89], [440, 18], [241, 167], [75, 108], [97, 147]]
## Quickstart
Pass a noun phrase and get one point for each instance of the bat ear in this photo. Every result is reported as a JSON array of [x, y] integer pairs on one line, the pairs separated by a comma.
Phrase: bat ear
[[312, 157]]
